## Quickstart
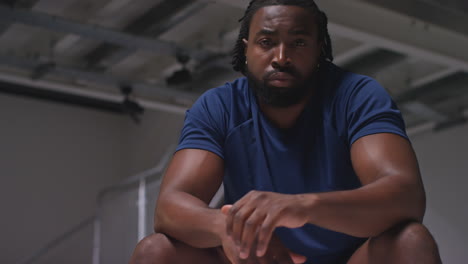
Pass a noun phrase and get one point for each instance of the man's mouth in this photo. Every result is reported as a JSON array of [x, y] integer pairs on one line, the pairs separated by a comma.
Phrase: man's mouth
[[281, 79], [281, 76]]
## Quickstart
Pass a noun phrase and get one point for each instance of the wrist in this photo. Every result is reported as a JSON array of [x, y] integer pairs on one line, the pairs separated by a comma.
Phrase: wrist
[[309, 204], [219, 227]]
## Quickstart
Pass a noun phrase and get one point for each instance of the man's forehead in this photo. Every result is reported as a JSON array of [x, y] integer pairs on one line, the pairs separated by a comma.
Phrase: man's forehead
[[274, 14], [298, 19]]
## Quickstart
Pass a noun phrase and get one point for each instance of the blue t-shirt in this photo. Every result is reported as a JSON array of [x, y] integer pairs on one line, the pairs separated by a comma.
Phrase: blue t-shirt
[[312, 156]]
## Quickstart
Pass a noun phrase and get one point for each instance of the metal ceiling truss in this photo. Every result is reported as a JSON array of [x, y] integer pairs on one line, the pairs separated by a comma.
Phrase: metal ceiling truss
[[56, 23], [153, 23], [184, 98]]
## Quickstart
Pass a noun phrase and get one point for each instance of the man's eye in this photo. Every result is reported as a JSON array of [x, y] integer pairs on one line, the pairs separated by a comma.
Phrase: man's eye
[[265, 43]]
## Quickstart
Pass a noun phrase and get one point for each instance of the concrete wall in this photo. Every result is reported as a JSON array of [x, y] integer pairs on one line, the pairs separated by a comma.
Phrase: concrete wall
[[55, 158], [443, 158]]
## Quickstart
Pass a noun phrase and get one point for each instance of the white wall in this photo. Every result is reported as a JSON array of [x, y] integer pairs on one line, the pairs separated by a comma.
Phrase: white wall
[[53, 160], [443, 158], [151, 139]]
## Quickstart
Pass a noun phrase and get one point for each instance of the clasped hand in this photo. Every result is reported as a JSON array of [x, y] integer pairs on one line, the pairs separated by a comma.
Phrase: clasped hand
[[251, 221]]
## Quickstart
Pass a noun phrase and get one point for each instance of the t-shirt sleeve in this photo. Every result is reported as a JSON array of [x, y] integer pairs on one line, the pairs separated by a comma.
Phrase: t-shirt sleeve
[[371, 110], [205, 124]]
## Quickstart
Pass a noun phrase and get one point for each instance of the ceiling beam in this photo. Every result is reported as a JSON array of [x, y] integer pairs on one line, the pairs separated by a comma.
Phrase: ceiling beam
[[435, 76], [424, 111], [184, 98], [59, 24], [152, 24], [354, 53], [399, 33], [98, 95], [27, 4]]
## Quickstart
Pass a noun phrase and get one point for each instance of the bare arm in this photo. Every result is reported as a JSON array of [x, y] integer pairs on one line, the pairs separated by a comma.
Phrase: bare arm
[[392, 189], [392, 192], [182, 211]]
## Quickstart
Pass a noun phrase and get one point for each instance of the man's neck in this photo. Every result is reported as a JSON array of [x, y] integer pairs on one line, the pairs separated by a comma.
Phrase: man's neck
[[284, 117]]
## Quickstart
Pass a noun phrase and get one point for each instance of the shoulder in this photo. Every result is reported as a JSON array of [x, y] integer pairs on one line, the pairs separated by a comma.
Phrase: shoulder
[[223, 104], [223, 97], [344, 89]]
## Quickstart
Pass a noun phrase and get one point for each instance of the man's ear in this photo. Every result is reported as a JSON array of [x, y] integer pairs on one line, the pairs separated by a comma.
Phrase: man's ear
[[246, 43]]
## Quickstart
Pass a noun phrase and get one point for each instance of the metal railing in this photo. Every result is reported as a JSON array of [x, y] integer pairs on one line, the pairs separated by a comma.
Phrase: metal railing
[[141, 179]]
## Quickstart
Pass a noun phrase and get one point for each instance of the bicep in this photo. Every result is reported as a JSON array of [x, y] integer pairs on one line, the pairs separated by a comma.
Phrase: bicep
[[194, 171], [385, 154]]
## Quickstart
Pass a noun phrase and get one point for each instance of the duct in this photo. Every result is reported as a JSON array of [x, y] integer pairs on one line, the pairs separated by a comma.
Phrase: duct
[[91, 31], [101, 78]]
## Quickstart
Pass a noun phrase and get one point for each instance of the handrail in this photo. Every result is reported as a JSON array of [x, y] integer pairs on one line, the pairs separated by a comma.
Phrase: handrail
[[41, 252], [139, 177]]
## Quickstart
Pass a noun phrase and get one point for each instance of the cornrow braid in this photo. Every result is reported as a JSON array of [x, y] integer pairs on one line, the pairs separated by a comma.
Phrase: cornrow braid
[[238, 53]]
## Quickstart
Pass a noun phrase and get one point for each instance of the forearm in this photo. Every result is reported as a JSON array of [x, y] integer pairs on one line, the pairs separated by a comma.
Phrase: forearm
[[189, 219], [369, 210]]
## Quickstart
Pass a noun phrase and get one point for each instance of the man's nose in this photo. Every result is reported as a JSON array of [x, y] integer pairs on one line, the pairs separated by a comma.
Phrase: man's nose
[[281, 57]]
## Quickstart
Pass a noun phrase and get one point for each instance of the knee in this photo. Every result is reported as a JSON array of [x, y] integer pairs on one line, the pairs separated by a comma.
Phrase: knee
[[155, 248], [407, 240], [415, 235]]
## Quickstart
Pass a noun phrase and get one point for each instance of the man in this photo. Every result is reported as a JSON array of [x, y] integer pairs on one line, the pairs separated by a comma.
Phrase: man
[[315, 161]]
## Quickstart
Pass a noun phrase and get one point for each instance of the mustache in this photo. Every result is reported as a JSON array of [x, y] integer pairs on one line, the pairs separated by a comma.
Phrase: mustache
[[290, 70]]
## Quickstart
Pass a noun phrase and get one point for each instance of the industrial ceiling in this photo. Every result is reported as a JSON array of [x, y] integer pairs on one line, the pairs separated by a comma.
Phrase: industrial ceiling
[[167, 52]]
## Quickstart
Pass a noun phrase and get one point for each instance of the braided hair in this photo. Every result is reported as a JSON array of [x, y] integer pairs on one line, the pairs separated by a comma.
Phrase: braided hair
[[238, 53]]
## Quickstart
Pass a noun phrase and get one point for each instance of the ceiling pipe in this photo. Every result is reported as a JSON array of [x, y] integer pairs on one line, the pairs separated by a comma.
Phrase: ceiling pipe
[[81, 91]]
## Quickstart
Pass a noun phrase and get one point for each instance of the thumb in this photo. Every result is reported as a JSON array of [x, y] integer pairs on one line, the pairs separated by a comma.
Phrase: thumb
[[296, 258], [225, 209]]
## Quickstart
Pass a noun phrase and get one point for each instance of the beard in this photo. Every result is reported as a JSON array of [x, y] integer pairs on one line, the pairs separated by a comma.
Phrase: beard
[[280, 97]]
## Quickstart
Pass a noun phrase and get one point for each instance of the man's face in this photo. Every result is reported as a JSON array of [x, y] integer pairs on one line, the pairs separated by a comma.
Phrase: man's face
[[282, 54]]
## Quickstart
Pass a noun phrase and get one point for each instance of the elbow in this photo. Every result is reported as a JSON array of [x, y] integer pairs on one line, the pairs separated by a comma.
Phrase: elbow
[[158, 222], [419, 205], [157, 225], [415, 204]]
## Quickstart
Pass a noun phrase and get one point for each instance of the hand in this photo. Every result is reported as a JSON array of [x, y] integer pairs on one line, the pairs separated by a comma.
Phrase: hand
[[276, 252], [253, 219]]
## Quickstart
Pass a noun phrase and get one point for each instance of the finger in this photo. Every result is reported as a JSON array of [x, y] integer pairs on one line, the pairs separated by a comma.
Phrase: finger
[[264, 235], [238, 223], [231, 214], [249, 233], [225, 209], [233, 209], [284, 259], [296, 258]]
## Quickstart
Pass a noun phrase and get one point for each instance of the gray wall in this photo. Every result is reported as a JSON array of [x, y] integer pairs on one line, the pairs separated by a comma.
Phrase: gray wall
[[54, 159], [443, 158]]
